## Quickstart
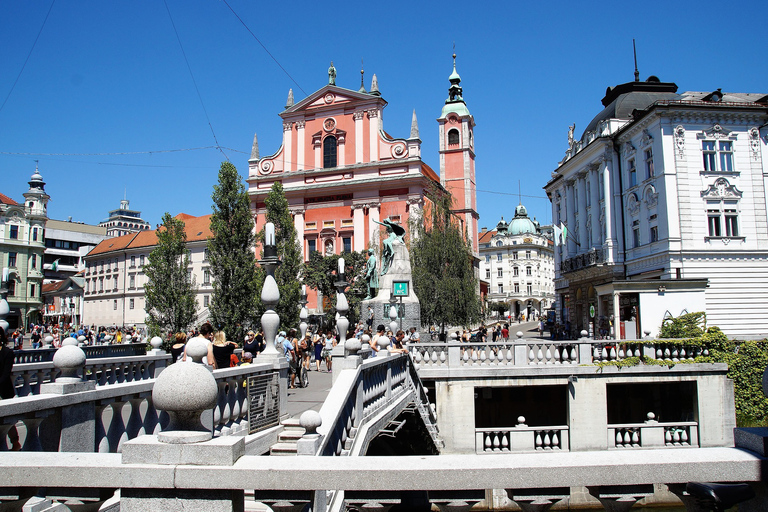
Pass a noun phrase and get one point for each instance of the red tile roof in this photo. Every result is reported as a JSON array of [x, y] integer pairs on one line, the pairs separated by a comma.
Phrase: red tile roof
[[486, 237], [4, 199], [196, 228], [52, 287]]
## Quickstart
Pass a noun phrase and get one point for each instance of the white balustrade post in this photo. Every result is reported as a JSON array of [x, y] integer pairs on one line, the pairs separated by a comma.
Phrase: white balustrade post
[[342, 306], [270, 293]]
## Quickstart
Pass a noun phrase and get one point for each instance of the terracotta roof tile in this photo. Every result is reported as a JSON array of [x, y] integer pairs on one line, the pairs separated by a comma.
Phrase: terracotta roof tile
[[486, 237], [52, 287], [4, 199], [197, 228]]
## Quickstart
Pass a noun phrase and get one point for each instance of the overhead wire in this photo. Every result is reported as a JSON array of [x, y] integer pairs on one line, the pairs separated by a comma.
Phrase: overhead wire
[[200, 97], [28, 56]]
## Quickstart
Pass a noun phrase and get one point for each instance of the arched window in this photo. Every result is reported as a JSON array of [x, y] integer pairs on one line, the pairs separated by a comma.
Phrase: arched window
[[453, 136], [329, 152]]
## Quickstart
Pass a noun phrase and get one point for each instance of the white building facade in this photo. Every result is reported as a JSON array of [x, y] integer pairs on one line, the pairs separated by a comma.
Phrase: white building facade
[[66, 244], [115, 278], [517, 262], [664, 201]]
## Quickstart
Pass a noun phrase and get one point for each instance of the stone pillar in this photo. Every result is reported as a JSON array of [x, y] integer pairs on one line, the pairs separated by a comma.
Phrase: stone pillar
[[616, 316], [298, 222], [570, 218], [373, 228], [359, 143], [607, 211], [594, 188], [588, 413], [373, 135], [620, 498], [358, 222], [581, 183], [288, 147], [300, 144]]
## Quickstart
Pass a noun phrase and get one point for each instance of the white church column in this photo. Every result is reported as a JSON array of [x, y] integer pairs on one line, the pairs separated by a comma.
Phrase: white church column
[[373, 125], [359, 144], [373, 228], [300, 164], [287, 146], [358, 222], [298, 223]]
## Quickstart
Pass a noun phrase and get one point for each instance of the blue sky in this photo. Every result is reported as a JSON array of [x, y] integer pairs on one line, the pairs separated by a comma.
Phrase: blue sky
[[110, 77]]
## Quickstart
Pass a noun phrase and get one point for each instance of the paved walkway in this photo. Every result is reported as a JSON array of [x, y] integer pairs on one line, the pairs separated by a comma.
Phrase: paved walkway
[[311, 397]]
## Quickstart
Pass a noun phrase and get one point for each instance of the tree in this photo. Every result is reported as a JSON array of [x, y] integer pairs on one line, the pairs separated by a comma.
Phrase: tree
[[320, 273], [169, 291], [442, 266], [231, 253], [689, 325], [288, 274]]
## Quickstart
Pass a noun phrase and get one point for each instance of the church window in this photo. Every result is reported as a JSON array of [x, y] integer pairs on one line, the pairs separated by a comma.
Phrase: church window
[[453, 136], [329, 152], [311, 246], [347, 241]]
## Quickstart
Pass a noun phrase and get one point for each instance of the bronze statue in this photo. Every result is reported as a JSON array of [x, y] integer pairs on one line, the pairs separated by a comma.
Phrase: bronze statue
[[371, 274], [396, 232]]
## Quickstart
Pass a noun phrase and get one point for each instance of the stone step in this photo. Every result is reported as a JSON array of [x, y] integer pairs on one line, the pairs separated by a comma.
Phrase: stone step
[[290, 436], [283, 449], [291, 424]]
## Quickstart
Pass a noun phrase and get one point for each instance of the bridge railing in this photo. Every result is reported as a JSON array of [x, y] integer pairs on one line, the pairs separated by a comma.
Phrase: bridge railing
[[654, 434], [358, 395], [28, 377], [534, 352], [38, 355], [103, 419], [521, 439]]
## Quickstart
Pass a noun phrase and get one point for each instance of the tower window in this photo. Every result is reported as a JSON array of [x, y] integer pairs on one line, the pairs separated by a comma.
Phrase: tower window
[[329, 152], [453, 136]]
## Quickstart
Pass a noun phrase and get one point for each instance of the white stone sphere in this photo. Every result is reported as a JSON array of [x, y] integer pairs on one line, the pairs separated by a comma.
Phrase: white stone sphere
[[69, 356], [353, 345], [185, 387], [519, 334], [81, 338], [49, 339], [108, 337], [310, 421], [156, 342], [69, 341], [521, 420], [584, 333], [365, 339], [197, 349]]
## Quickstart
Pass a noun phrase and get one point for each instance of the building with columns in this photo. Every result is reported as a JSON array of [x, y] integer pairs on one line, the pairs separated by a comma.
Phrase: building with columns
[[124, 220], [664, 202], [22, 244], [517, 262], [342, 172]]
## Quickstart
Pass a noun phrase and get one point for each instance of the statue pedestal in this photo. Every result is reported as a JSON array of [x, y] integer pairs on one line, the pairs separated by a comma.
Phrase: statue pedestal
[[399, 270]]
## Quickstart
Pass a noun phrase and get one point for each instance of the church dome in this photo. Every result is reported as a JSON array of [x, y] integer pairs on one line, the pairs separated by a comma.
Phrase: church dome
[[521, 224]]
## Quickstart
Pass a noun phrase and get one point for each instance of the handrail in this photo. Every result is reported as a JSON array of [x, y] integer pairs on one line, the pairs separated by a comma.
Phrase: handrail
[[38, 355]]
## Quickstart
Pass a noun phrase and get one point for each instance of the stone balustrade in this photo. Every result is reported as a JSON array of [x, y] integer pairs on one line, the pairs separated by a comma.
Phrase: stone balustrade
[[521, 439], [654, 434], [358, 396], [38, 355], [104, 370], [103, 419], [454, 481], [534, 352]]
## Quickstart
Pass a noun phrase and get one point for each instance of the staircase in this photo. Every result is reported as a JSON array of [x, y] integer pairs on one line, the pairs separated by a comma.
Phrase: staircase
[[286, 440]]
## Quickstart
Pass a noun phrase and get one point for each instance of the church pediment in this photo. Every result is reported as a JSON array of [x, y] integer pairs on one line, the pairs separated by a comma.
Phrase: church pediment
[[331, 96]]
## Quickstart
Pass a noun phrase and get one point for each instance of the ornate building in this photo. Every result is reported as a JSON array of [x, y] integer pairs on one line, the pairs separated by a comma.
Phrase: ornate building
[[517, 262], [115, 279], [342, 173], [22, 243], [664, 202], [124, 220]]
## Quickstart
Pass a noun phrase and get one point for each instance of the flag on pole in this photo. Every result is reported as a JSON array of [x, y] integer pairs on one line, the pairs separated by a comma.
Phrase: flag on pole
[[564, 229], [558, 233], [55, 265]]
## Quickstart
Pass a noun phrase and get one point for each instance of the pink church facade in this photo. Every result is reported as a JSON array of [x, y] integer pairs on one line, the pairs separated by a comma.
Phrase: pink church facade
[[341, 172]]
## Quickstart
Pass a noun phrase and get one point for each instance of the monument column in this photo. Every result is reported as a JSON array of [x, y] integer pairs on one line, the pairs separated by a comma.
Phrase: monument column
[[358, 223]]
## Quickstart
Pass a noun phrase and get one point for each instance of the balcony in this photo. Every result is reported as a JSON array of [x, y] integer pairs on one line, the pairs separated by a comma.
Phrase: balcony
[[581, 261]]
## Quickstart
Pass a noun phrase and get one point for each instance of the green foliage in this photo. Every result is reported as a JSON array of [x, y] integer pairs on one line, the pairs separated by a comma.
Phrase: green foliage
[[442, 266], [690, 325], [498, 307], [288, 274], [169, 292], [628, 362], [320, 273], [231, 253]]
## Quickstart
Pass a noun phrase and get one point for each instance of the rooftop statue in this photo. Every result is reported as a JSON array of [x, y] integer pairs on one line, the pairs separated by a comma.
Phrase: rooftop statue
[[396, 232], [331, 75]]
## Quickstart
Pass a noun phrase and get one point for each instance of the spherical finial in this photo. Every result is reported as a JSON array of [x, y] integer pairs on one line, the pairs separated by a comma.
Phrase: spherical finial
[[584, 333], [521, 420], [365, 339], [197, 349], [68, 359], [310, 421], [352, 346], [519, 334], [81, 338], [69, 341], [650, 416], [156, 342]]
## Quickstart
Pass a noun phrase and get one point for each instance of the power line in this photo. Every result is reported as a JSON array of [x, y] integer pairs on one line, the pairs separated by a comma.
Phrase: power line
[[28, 56], [265, 48], [200, 97], [148, 152]]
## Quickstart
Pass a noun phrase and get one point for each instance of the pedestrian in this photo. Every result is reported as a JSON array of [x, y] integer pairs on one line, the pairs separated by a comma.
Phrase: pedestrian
[[541, 328], [247, 359], [289, 351], [7, 389], [328, 345], [369, 320], [36, 339], [178, 352], [222, 350], [251, 343], [317, 343], [375, 340]]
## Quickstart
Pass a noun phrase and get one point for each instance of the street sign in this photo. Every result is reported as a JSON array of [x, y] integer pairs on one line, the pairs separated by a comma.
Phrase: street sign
[[592, 311], [400, 288]]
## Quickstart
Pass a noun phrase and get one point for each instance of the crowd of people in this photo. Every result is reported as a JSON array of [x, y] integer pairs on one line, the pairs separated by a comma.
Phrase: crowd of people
[[92, 335]]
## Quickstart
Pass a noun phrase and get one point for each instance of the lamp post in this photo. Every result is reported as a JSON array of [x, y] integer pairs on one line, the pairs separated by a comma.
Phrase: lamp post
[[342, 306], [270, 293]]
